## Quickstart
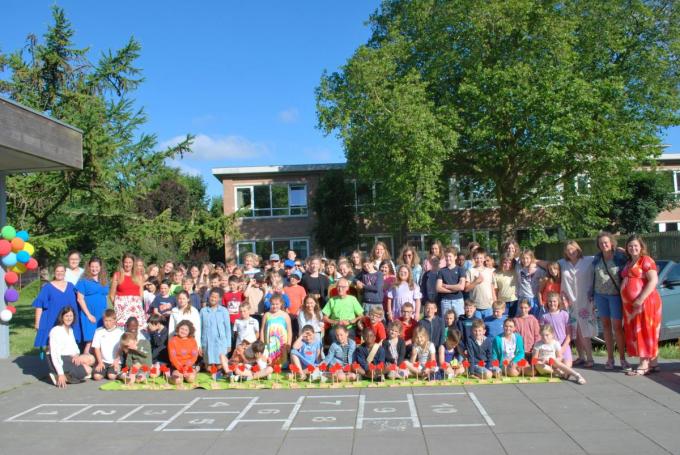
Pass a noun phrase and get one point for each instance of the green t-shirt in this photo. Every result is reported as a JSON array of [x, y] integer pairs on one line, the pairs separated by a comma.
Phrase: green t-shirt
[[142, 355], [343, 309]]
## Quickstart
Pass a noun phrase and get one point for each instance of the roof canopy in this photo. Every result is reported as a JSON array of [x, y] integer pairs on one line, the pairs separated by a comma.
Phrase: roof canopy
[[31, 141]]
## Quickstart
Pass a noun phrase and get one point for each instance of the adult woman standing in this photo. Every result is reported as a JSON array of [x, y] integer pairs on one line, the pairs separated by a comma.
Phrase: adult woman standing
[[53, 297], [92, 289], [68, 363], [74, 270], [576, 288], [436, 253], [126, 293], [409, 257], [607, 266], [641, 306]]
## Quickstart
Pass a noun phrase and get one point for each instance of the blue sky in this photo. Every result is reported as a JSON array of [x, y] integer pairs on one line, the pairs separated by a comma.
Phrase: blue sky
[[239, 75]]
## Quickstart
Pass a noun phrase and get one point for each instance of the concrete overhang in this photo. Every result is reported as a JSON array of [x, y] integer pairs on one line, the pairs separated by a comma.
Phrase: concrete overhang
[[31, 141]]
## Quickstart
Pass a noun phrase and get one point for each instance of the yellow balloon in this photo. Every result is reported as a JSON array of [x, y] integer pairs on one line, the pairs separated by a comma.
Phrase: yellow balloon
[[19, 268], [30, 249]]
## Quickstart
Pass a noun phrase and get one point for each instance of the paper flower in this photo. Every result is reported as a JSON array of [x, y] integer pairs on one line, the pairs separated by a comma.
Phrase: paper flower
[[381, 366], [293, 368], [466, 364], [392, 367], [347, 368], [232, 367], [416, 365], [310, 368], [481, 364], [534, 361], [255, 368], [551, 361], [356, 366], [403, 366], [213, 369], [241, 367], [125, 370], [506, 362], [430, 364], [145, 368], [323, 366], [371, 367], [522, 363], [165, 369], [277, 368], [153, 371], [495, 363], [444, 366]]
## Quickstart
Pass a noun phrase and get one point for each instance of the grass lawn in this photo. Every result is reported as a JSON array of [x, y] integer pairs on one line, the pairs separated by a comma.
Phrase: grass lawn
[[21, 327]]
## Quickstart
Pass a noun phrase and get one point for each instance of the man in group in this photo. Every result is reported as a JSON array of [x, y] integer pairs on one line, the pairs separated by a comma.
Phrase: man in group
[[342, 310]]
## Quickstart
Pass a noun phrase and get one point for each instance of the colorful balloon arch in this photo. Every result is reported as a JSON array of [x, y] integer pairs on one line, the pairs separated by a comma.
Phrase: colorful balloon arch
[[16, 257]]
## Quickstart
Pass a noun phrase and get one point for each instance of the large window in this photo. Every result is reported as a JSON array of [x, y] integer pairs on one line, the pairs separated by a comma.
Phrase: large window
[[277, 199], [264, 248]]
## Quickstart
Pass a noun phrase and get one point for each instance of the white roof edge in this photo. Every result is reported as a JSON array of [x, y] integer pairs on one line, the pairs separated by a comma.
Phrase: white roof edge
[[276, 168], [669, 156]]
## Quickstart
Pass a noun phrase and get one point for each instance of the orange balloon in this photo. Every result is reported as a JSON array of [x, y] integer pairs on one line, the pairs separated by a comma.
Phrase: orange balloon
[[17, 244]]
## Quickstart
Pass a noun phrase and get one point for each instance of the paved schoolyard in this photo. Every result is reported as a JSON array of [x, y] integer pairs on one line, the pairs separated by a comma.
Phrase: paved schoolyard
[[611, 414]]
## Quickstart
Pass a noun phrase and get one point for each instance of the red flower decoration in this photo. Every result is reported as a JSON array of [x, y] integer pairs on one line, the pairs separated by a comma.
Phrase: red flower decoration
[[430, 364], [310, 368], [444, 366], [134, 370], [392, 367], [381, 365], [241, 367], [506, 362], [293, 368], [145, 368], [495, 363], [255, 368], [416, 365], [466, 363], [403, 366], [371, 367], [154, 371], [551, 362], [323, 366], [277, 368], [232, 367], [125, 370], [165, 369], [522, 363], [213, 369], [534, 360], [347, 368], [356, 366], [481, 364]]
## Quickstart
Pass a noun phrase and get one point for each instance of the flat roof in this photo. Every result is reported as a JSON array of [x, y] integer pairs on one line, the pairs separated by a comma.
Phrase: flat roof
[[32, 141], [275, 169]]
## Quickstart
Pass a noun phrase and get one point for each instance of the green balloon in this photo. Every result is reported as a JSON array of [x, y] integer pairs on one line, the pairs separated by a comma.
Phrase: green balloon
[[8, 232]]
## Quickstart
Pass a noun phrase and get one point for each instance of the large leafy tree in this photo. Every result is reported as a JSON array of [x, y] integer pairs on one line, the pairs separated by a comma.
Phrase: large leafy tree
[[538, 101], [98, 209], [336, 228]]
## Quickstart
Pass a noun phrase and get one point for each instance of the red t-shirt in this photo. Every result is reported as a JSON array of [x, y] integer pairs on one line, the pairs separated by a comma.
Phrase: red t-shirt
[[407, 329], [378, 328], [296, 294], [232, 301]]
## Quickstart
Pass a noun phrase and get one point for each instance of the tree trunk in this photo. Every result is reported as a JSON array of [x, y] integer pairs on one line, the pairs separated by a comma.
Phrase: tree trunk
[[508, 222]]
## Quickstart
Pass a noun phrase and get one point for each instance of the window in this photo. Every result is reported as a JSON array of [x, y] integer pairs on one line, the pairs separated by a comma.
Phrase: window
[[264, 248], [277, 199], [466, 193]]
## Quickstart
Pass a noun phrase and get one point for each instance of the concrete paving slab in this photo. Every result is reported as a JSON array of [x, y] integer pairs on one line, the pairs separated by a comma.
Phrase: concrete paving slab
[[539, 443], [615, 442]]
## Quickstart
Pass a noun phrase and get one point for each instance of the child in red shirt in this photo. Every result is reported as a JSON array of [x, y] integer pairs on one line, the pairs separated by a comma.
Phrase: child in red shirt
[[183, 352], [374, 321], [408, 324], [296, 293], [233, 298]]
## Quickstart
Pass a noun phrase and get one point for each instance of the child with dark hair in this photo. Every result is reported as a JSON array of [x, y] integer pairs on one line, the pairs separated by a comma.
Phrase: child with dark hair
[[369, 352], [158, 338], [183, 352]]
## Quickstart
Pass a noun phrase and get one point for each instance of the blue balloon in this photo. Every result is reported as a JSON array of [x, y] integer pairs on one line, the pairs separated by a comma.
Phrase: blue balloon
[[9, 260], [23, 235], [23, 256]]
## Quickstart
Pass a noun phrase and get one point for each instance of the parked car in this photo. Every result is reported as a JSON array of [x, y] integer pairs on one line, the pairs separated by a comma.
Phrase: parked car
[[669, 289]]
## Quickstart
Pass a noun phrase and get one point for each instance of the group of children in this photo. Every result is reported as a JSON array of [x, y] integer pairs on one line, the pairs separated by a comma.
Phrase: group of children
[[244, 323]]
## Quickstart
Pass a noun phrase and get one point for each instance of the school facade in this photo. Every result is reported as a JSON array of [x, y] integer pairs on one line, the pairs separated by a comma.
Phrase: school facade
[[274, 202]]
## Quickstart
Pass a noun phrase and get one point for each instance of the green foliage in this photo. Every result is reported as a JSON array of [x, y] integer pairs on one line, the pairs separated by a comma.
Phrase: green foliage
[[646, 194], [519, 96], [125, 187], [335, 230]]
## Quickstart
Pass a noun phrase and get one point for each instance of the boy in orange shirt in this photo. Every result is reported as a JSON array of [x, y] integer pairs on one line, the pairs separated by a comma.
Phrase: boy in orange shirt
[[374, 321]]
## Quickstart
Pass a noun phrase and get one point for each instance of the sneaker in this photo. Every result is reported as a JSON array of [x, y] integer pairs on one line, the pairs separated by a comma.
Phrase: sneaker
[[53, 378]]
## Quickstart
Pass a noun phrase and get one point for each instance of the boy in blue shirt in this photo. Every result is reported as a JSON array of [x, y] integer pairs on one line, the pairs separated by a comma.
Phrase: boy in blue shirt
[[494, 323], [479, 350], [464, 322], [307, 351]]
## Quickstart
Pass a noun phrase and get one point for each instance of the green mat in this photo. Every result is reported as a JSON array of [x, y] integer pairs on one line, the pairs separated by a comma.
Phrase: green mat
[[205, 381]]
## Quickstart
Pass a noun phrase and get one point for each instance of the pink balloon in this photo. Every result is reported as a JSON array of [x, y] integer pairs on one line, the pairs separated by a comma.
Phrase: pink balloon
[[11, 278], [5, 247], [32, 264]]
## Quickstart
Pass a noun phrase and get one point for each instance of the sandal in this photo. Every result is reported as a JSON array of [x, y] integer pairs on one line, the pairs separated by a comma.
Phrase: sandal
[[609, 365], [580, 379], [588, 364], [638, 372], [578, 362], [625, 366]]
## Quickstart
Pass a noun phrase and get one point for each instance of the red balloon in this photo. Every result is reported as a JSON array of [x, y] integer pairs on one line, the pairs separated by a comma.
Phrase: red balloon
[[5, 247], [32, 264], [12, 309], [11, 278]]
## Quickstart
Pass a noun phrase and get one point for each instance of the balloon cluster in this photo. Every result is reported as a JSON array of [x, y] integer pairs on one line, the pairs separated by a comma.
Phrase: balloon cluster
[[15, 256]]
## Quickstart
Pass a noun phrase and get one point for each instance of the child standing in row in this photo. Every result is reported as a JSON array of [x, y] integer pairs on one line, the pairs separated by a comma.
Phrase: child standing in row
[[481, 284], [529, 275], [506, 284], [404, 290], [558, 319], [216, 333], [549, 283], [276, 332], [246, 328], [527, 326]]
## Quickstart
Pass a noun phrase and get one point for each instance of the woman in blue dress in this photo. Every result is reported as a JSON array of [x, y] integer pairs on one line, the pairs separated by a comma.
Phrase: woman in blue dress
[[54, 296], [215, 332], [92, 290]]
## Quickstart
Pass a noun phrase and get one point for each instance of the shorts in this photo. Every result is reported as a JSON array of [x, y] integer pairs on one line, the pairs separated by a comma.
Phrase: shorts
[[481, 314], [451, 304], [108, 369], [74, 373], [609, 306]]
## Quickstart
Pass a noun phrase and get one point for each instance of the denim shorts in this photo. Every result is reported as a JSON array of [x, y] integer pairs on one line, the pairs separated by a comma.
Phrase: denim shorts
[[481, 314], [451, 304], [609, 306]]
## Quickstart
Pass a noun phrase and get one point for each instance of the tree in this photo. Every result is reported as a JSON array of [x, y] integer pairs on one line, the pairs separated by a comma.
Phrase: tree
[[647, 194], [522, 97], [335, 228], [95, 209]]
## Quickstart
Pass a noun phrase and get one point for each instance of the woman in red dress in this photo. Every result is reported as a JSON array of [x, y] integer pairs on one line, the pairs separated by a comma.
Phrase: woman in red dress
[[641, 306]]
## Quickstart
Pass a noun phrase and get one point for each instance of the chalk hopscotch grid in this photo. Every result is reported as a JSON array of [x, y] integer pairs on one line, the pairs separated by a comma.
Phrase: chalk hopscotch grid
[[252, 403]]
